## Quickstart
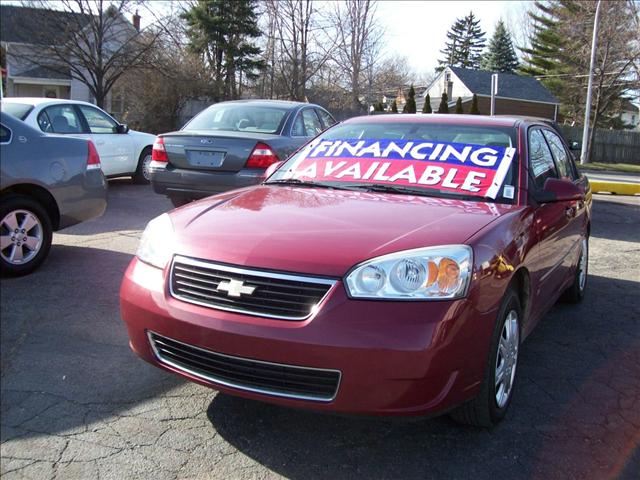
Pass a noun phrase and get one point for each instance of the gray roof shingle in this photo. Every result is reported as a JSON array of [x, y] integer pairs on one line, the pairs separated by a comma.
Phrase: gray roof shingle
[[509, 85], [37, 25]]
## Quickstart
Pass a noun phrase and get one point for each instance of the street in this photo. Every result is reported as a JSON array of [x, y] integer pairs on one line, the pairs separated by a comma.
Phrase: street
[[77, 403]]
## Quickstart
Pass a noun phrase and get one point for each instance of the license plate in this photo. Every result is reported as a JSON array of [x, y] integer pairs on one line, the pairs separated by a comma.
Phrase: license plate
[[199, 158]]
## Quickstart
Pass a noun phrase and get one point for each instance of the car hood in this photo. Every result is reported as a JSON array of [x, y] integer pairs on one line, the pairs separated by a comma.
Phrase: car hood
[[321, 231]]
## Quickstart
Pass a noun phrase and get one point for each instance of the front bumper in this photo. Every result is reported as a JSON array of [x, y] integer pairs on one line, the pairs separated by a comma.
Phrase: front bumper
[[196, 184], [394, 358]]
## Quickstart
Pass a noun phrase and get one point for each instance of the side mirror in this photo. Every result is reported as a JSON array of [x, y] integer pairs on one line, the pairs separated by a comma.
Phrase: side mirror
[[575, 146], [556, 190], [122, 128], [271, 169]]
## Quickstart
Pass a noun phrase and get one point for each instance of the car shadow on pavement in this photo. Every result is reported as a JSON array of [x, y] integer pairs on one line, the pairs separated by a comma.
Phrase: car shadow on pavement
[[130, 206], [575, 413], [66, 361]]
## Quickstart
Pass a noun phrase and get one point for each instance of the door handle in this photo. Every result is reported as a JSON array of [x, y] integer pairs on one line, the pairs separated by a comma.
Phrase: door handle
[[100, 143]]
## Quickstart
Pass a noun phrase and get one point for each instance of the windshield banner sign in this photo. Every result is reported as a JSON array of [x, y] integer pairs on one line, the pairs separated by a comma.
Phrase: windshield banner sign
[[457, 167]]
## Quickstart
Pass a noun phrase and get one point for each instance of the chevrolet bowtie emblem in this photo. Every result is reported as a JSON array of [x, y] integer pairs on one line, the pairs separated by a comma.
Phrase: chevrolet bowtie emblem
[[235, 288]]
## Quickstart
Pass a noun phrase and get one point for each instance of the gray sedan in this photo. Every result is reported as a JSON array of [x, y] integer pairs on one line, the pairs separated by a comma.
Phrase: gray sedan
[[230, 144], [47, 183]]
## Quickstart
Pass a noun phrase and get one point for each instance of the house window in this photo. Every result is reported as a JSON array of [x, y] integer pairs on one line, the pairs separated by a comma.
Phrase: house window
[[117, 103]]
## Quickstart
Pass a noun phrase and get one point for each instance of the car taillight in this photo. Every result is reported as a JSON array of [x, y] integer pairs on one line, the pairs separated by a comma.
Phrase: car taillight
[[158, 152], [262, 156], [93, 159]]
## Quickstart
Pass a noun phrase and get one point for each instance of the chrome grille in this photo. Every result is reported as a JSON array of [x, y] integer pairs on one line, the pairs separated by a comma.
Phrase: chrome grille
[[247, 374], [254, 292]]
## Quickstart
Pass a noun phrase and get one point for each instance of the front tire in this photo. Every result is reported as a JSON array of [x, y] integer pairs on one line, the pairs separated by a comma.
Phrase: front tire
[[142, 175], [25, 235], [490, 405], [575, 293]]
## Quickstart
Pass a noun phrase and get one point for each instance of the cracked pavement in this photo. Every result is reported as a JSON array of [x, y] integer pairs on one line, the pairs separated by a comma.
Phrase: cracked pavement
[[77, 403]]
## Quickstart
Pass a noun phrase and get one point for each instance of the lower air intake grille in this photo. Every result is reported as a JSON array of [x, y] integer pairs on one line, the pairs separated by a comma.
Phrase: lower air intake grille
[[246, 374], [255, 292]]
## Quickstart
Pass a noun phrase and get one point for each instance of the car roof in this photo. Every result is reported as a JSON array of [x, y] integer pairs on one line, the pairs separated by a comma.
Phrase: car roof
[[268, 103], [447, 119], [37, 101]]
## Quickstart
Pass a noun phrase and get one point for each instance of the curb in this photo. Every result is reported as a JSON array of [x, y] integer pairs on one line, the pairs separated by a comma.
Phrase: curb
[[616, 188]]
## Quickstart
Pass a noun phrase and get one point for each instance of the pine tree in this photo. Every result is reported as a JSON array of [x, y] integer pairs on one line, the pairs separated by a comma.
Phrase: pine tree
[[459, 108], [426, 108], [444, 104], [465, 44], [500, 55], [378, 107], [222, 31], [410, 106], [474, 106], [394, 107]]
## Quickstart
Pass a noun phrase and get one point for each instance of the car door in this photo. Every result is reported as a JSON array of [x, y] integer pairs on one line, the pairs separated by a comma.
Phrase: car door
[[552, 223], [577, 213], [116, 149]]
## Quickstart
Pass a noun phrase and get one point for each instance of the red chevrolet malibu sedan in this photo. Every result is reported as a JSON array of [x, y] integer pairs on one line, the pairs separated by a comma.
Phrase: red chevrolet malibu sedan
[[391, 266]]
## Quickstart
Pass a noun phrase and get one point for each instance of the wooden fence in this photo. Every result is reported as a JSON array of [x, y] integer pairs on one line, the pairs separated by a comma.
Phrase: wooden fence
[[610, 146]]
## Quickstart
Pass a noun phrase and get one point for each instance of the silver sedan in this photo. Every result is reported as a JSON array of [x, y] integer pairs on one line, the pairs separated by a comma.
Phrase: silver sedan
[[47, 183]]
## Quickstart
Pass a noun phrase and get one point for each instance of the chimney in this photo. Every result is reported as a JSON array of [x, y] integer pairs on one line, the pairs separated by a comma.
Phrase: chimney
[[136, 21]]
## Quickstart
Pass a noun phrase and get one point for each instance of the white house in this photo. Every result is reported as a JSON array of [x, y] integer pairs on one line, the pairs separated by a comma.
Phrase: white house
[[26, 77], [517, 94]]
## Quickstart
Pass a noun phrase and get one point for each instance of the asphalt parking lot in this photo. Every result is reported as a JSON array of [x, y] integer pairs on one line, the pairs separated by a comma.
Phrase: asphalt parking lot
[[76, 403]]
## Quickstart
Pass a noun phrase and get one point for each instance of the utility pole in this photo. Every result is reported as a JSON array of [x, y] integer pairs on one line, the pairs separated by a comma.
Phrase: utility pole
[[587, 108]]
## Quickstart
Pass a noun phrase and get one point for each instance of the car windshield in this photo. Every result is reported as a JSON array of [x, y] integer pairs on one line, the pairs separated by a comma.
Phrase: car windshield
[[17, 110], [234, 117], [440, 160]]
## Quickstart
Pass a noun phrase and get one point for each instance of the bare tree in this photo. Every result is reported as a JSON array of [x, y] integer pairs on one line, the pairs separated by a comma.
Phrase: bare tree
[[299, 36], [358, 48], [95, 43]]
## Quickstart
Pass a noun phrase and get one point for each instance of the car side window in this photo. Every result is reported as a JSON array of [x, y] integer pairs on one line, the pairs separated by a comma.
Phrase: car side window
[[298, 127], [60, 119], [311, 122], [99, 122], [5, 134], [540, 158], [45, 122], [560, 155], [327, 120]]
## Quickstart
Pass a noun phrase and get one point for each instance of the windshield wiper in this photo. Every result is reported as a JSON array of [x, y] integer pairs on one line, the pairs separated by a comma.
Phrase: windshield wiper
[[384, 188], [305, 183]]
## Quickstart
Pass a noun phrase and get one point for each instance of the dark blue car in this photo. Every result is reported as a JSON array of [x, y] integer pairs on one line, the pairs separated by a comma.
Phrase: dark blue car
[[230, 145]]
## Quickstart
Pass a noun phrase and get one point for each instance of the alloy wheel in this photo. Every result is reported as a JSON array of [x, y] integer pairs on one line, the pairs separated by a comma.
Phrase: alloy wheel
[[582, 266], [146, 163], [21, 236], [507, 359]]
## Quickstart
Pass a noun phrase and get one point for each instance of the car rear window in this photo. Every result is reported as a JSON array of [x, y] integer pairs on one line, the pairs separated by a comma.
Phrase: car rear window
[[17, 110], [239, 118]]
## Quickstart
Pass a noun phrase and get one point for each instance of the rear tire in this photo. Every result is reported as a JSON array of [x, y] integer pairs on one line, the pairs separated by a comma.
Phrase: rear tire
[[179, 201], [25, 235], [142, 176], [575, 293], [490, 405]]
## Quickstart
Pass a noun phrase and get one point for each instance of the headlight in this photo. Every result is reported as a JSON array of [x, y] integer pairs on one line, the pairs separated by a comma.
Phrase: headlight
[[430, 273], [156, 244]]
